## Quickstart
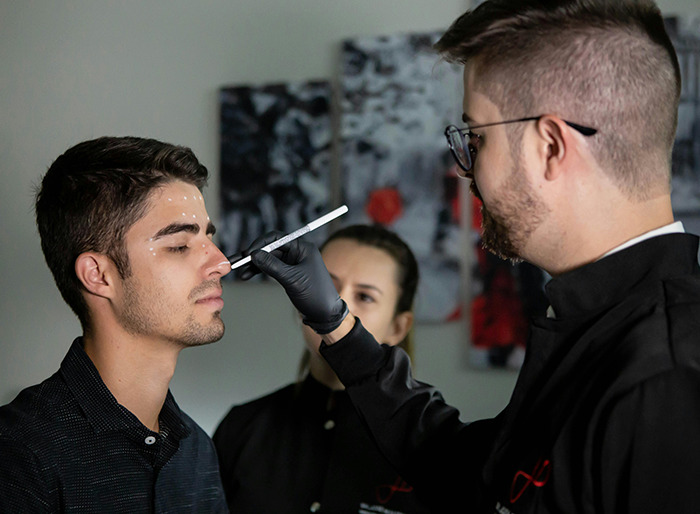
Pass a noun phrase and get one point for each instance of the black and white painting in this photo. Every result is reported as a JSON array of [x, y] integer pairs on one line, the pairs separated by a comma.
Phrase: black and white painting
[[396, 99], [275, 160]]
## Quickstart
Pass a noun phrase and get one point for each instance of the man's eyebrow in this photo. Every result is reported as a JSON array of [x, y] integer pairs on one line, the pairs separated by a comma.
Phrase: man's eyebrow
[[190, 228], [175, 228]]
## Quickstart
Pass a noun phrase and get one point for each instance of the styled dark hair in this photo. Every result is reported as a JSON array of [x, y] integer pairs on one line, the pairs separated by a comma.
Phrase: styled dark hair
[[607, 64], [93, 193]]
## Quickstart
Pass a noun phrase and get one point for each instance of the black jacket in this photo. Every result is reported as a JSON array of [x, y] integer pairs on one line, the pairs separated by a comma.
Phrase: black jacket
[[303, 449], [605, 415]]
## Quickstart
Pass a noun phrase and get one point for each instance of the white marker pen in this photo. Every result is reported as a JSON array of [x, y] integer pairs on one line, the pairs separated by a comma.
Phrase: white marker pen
[[297, 233]]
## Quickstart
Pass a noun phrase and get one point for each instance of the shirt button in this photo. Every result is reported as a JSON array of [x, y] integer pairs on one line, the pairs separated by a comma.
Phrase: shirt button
[[315, 507], [150, 440], [329, 424]]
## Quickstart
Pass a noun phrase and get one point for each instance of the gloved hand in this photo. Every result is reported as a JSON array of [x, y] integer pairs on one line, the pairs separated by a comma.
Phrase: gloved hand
[[299, 268]]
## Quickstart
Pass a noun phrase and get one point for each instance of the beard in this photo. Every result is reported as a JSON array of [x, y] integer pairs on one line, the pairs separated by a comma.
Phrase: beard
[[155, 316], [509, 221]]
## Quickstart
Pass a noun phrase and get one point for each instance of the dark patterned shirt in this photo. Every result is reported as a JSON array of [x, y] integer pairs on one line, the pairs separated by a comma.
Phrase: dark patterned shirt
[[67, 445]]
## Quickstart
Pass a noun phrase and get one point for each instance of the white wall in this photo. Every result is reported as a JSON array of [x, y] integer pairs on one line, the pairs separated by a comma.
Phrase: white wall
[[76, 69]]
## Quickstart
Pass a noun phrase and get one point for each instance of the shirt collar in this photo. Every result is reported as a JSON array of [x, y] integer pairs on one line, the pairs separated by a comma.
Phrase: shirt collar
[[672, 228], [596, 286], [100, 406]]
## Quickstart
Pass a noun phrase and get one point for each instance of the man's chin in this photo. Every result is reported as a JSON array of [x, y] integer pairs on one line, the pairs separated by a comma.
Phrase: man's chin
[[496, 239], [205, 334]]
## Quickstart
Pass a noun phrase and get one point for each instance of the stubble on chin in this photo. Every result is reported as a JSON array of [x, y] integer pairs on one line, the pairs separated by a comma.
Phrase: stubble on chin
[[154, 317], [512, 218], [196, 334]]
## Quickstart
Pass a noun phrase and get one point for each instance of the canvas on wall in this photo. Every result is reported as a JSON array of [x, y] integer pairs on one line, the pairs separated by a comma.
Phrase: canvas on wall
[[685, 193], [275, 160], [396, 99]]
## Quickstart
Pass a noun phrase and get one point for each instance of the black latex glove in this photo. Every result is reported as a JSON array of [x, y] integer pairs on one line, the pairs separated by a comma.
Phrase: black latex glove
[[299, 268]]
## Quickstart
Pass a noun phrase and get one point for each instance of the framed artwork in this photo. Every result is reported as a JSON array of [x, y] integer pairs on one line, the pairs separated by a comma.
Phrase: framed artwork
[[275, 160], [396, 98], [685, 168]]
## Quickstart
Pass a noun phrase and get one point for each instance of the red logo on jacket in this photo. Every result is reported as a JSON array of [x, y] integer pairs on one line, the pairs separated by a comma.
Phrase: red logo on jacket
[[522, 480]]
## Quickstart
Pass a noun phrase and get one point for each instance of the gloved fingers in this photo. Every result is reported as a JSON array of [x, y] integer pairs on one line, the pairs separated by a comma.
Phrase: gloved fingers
[[269, 264], [248, 271], [263, 240]]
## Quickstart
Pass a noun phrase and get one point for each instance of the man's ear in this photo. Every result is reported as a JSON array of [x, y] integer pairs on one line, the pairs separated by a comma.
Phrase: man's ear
[[96, 272], [556, 141], [400, 326]]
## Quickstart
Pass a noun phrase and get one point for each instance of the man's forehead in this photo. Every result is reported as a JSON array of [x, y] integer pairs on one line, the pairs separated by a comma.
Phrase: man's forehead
[[173, 203]]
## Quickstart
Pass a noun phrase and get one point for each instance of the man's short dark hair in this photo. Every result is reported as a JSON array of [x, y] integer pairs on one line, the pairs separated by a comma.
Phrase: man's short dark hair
[[607, 64], [93, 193]]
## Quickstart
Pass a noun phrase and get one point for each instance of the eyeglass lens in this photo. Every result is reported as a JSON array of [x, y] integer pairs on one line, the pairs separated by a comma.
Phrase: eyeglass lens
[[458, 145]]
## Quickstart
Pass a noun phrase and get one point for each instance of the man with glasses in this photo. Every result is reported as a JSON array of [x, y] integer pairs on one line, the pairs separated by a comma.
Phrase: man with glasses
[[570, 109]]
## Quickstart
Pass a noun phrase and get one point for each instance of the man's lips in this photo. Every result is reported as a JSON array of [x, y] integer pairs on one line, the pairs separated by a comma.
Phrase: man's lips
[[212, 299]]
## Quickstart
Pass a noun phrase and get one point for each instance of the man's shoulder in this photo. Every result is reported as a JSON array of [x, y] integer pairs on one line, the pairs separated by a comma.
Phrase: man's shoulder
[[662, 336], [683, 314], [30, 422], [36, 406]]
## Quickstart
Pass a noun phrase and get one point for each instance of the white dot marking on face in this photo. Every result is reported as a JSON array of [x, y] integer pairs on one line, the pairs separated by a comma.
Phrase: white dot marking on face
[[194, 215], [170, 199], [184, 214]]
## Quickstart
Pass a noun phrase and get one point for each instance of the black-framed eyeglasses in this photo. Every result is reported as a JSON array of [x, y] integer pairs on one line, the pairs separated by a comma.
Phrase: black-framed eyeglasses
[[464, 150]]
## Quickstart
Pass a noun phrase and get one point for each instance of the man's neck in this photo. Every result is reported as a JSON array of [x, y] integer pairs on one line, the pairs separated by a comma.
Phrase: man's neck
[[601, 231], [136, 370]]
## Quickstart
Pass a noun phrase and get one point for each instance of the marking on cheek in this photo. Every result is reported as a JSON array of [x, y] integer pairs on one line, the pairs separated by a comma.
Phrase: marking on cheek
[[170, 199], [184, 214], [185, 197], [194, 215]]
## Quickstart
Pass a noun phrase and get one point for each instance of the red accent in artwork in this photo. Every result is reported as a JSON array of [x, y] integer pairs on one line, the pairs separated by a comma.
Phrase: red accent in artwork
[[476, 214], [384, 206], [497, 313]]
